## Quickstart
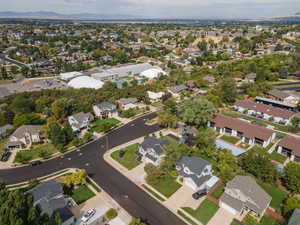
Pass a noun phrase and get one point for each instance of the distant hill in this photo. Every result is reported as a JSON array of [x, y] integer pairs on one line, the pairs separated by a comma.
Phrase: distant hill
[[54, 15]]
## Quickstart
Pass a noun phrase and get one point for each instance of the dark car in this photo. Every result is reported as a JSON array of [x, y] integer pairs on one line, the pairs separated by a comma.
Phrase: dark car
[[199, 194], [5, 156], [36, 163]]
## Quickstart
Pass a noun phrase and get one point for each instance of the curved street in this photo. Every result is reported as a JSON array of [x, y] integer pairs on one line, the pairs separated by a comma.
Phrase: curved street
[[90, 157]]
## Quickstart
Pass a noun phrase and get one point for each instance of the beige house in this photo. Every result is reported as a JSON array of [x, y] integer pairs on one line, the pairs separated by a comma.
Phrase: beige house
[[243, 195], [25, 136]]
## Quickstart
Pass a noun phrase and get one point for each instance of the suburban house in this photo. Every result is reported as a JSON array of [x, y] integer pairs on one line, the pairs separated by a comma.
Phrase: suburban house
[[250, 78], [152, 150], [196, 173], [24, 136], [249, 133], [155, 96], [80, 121], [127, 103], [105, 109], [289, 146], [242, 195], [295, 218], [49, 196], [176, 90], [264, 111], [282, 96]]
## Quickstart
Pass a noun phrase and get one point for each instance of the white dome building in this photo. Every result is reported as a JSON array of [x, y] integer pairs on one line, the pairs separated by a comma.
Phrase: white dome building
[[85, 82], [153, 73]]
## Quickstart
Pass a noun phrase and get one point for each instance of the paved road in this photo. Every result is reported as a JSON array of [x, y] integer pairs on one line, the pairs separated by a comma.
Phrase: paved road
[[90, 157], [17, 63]]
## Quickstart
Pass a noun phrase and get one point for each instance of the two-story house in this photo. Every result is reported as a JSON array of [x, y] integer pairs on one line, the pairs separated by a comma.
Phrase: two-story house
[[243, 195], [264, 111], [249, 133], [152, 150], [80, 121], [104, 110], [24, 136], [155, 96], [196, 173], [49, 196]]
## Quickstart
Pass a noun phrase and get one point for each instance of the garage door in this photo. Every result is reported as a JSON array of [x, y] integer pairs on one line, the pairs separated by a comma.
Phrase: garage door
[[190, 183], [228, 208]]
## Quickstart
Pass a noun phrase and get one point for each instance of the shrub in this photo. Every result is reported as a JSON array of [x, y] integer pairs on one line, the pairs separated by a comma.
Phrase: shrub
[[111, 214]]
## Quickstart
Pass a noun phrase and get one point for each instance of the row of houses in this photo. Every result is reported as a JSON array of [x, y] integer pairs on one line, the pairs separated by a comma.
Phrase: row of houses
[[241, 195]]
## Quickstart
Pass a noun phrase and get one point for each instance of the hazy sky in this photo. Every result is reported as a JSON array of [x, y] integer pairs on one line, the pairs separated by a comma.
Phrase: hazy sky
[[161, 8]]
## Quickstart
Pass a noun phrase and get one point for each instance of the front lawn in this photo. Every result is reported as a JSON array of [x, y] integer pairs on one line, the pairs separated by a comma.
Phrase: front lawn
[[3, 144], [205, 211], [235, 222], [81, 194], [104, 125], [37, 151], [230, 139], [167, 186], [127, 157], [278, 196], [270, 220], [218, 191]]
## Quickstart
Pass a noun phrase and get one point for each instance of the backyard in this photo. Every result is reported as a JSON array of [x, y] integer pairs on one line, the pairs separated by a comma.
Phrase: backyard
[[127, 157], [205, 211], [230, 139], [81, 194], [273, 156], [104, 125], [167, 186], [43, 151]]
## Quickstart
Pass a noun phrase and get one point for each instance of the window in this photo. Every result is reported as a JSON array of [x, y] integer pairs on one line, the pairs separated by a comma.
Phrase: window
[[259, 141]]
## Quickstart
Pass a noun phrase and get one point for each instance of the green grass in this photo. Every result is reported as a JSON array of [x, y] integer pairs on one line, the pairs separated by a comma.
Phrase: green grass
[[167, 186], [93, 184], [205, 211], [230, 139], [278, 157], [130, 157], [180, 213], [259, 150], [3, 144], [278, 196], [270, 220], [82, 194], [154, 193], [104, 125], [218, 191], [235, 222], [39, 151]]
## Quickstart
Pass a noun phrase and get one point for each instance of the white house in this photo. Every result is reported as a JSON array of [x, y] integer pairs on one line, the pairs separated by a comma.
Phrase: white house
[[80, 121], [105, 109], [196, 173], [155, 96], [153, 73]]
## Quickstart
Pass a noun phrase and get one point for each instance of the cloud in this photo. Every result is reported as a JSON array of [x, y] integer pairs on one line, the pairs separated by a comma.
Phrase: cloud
[[162, 8]]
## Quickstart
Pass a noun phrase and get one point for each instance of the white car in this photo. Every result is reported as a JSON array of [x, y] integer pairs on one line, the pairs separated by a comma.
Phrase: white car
[[88, 215]]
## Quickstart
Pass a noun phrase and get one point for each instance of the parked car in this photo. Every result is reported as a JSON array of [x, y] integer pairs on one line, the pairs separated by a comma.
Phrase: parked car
[[199, 194], [5, 156], [36, 163], [88, 215]]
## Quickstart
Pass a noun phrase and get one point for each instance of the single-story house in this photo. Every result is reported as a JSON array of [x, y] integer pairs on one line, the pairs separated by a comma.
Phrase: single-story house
[[105, 109], [153, 73], [249, 133], [196, 173], [155, 96], [152, 150], [176, 90], [25, 136], [295, 218], [282, 96], [289, 146], [276, 103], [80, 121], [49, 196], [127, 103], [264, 111], [243, 195]]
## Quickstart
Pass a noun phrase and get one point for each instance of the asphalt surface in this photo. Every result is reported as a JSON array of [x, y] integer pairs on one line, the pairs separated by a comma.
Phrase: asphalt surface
[[90, 157], [4, 57]]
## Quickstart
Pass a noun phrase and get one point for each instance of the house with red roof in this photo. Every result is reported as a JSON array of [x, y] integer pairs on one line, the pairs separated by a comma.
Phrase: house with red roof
[[290, 146]]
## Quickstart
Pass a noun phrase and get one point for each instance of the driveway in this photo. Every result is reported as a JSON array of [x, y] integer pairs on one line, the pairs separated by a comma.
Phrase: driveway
[[222, 217], [183, 198]]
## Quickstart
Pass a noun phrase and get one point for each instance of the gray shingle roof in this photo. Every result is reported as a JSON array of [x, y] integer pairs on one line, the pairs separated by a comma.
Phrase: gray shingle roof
[[295, 218], [195, 164], [106, 106], [178, 88], [155, 144], [278, 94], [32, 129]]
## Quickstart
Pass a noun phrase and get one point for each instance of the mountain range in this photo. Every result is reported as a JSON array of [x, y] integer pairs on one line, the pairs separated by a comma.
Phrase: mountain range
[[54, 15]]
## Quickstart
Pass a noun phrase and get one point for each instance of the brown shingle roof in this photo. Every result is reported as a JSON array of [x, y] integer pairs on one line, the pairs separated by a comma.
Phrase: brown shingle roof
[[291, 143], [249, 130], [267, 109]]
